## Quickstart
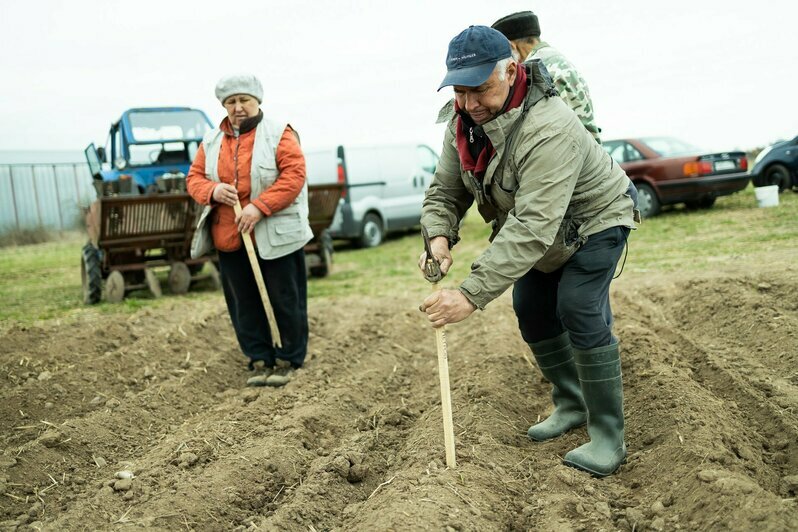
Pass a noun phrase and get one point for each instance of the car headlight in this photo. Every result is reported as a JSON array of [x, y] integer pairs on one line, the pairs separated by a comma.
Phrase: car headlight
[[120, 163], [761, 156]]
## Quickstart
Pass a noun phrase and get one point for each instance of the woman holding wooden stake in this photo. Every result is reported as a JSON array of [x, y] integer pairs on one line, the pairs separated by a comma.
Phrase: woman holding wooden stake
[[255, 165]]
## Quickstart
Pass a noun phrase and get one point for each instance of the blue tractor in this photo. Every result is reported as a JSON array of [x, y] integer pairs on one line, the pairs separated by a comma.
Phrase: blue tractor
[[143, 217], [146, 144]]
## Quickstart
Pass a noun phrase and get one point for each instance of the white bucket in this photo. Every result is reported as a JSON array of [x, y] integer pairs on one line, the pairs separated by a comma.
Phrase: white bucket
[[767, 196]]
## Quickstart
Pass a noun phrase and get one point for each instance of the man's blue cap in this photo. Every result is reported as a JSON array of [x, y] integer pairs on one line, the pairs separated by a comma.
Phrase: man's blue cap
[[473, 55]]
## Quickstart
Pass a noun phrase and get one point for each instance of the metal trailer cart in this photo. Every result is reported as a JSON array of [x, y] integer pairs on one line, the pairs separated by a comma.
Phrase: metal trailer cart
[[323, 203], [130, 235]]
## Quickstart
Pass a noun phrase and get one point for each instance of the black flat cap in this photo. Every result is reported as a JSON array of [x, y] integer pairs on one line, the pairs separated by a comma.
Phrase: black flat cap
[[518, 25]]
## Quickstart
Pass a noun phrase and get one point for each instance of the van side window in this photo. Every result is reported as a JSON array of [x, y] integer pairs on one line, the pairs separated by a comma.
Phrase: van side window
[[427, 160]]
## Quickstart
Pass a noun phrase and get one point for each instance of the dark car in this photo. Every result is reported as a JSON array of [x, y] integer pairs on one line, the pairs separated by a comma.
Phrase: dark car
[[777, 165], [667, 171]]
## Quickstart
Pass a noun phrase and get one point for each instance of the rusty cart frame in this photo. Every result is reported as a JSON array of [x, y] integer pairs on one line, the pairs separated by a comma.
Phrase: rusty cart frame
[[130, 235], [323, 203]]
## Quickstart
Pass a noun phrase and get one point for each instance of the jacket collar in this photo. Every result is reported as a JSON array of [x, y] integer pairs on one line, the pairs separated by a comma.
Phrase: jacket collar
[[539, 46], [540, 85], [247, 125], [498, 129]]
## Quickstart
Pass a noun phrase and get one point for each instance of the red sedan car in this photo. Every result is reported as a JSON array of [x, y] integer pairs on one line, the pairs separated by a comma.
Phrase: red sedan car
[[667, 171]]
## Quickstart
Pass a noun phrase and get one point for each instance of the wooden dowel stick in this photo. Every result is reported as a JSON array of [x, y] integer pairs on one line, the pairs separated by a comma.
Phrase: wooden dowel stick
[[446, 395], [264, 295]]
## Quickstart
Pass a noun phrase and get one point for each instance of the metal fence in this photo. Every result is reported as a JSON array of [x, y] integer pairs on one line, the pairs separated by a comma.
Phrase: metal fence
[[44, 196]]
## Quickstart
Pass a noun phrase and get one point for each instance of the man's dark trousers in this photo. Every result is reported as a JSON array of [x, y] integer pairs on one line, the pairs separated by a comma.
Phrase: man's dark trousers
[[575, 298], [286, 283]]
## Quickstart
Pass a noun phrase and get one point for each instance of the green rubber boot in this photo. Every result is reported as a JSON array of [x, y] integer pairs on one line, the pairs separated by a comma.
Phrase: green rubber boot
[[556, 362], [599, 372]]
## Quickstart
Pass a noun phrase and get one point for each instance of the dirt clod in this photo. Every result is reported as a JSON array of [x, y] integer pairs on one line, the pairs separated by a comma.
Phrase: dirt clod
[[602, 508], [123, 484], [657, 508], [708, 475], [339, 465], [187, 460], [357, 473], [51, 438]]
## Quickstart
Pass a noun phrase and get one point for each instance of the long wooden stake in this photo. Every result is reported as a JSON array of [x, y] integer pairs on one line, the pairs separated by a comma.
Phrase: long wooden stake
[[446, 395], [264, 295]]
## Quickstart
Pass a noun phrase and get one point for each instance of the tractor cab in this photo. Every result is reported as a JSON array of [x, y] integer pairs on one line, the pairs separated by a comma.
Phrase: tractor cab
[[147, 147]]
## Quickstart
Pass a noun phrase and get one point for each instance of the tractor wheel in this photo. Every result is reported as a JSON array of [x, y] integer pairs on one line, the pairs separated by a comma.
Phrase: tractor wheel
[[115, 287], [91, 275], [179, 278], [153, 283]]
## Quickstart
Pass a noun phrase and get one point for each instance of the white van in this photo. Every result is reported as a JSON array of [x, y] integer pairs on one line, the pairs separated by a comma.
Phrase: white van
[[383, 187]]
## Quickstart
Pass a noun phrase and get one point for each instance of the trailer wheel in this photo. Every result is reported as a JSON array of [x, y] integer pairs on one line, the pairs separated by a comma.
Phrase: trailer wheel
[[179, 278], [91, 275], [325, 254], [115, 287], [153, 283]]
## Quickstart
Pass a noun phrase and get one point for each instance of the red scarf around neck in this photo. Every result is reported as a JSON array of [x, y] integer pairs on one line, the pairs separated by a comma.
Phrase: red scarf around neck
[[479, 166]]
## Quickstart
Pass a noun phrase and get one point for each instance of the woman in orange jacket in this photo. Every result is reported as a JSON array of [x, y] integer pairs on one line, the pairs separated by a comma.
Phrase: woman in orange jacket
[[257, 161]]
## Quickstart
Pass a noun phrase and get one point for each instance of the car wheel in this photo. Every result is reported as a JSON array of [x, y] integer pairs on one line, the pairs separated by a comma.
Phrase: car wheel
[[647, 200], [372, 233], [778, 174]]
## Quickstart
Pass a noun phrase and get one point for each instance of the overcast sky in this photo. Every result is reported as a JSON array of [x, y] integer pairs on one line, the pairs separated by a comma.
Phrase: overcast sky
[[721, 74]]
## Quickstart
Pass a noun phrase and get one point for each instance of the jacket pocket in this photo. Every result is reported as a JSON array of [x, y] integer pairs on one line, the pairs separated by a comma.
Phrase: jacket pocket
[[566, 243], [503, 199], [285, 230], [266, 174], [503, 190]]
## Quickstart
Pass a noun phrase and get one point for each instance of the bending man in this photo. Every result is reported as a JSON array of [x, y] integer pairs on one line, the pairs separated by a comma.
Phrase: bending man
[[561, 211]]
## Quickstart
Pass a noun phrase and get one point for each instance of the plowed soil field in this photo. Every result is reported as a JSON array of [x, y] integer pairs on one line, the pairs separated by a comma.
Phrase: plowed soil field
[[355, 441]]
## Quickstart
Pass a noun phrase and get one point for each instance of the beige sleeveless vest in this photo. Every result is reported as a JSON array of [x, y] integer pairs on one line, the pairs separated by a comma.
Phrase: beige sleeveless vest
[[277, 235]]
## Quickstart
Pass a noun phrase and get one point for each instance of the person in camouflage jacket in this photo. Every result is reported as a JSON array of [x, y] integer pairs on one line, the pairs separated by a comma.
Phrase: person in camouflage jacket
[[522, 29]]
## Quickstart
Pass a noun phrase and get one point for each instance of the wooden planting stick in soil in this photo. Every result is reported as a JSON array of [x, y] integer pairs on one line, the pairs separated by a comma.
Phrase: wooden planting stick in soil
[[432, 272], [264, 295], [446, 395]]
